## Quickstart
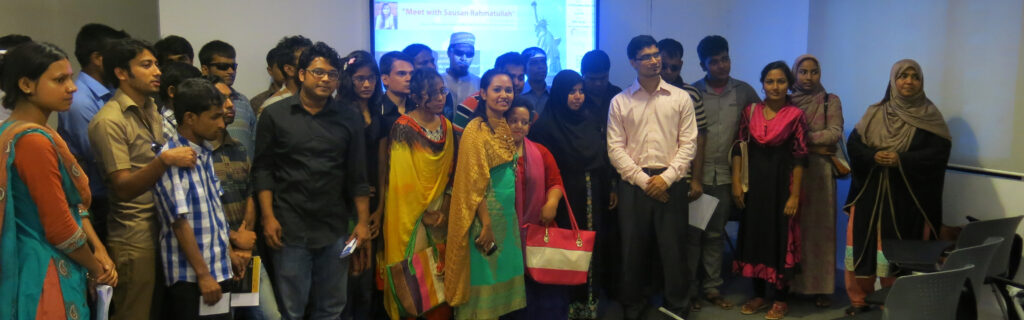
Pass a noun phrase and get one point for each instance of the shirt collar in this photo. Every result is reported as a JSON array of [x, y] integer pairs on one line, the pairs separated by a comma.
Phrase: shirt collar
[[202, 150], [296, 104], [729, 85], [125, 102], [99, 91], [527, 89], [636, 87]]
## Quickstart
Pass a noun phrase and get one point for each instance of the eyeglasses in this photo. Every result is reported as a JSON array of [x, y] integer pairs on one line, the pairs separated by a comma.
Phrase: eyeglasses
[[648, 57], [362, 79], [467, 54], [224, 66], [439, 93], [320, 73]]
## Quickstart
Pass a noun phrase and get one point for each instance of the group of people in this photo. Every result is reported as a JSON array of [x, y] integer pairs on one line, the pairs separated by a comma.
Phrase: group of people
[[163, 181]]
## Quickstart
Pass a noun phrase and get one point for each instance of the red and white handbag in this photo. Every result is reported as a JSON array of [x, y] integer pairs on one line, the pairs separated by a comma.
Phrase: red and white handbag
[[559, 256]]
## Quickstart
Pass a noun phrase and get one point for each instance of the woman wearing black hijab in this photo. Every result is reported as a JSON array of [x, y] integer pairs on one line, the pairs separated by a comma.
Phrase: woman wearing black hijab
[[575, 137]]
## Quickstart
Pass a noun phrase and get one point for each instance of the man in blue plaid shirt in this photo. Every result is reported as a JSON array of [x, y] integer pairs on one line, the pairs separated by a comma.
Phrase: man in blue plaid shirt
[[194, 245]]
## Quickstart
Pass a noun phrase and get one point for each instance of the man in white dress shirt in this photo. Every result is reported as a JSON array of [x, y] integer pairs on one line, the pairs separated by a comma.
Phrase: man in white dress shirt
[[651, 140]]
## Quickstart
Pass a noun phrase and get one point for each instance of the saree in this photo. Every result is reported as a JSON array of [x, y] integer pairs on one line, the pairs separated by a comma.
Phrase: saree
[[483, 286], [37, 279], [418, 175]]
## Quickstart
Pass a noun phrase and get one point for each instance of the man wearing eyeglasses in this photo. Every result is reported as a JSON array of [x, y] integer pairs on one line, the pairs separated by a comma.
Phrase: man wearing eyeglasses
[[309, 173], [217, 58], [651, 140], [457, 78]]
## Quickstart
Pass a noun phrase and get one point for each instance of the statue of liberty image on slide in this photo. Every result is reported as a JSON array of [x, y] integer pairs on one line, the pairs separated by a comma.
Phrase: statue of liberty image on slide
[[548, 42]]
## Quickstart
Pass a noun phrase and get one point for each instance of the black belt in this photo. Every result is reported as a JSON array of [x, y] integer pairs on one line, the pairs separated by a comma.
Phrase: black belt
[[653, 171]]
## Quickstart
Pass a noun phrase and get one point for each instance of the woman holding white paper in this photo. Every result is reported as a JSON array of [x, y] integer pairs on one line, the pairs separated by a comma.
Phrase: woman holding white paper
[[45, 234]]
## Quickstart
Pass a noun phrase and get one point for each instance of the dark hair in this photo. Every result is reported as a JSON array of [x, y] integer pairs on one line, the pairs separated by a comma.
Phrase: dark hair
[[172, 45], [320, 50], [790, 79], [95, 37], [711, 46], [420, 81], [270, 55], [532, 51], [509, 58], [281, 57], [360, 59], [196, 95], [639, 43], [10, 41], [414, 49], [670, 48], [27, 60], [119, 55], [485, 81], [295, 42], [215, 48], [173, 74], [213, 80], [387, 61], [520, 102], [595, 61]]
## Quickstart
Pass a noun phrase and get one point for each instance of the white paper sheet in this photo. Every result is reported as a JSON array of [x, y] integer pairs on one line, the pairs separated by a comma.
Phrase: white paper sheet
[[103, 295], [221, 307], [701, 211], [250, 299]]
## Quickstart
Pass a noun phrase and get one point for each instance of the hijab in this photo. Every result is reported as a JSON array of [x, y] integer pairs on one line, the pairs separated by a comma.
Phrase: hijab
[[574, 137], [890, 124], [804, 97]]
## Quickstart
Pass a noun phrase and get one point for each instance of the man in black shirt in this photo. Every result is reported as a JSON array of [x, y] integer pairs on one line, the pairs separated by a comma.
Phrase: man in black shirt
[[309, 165]]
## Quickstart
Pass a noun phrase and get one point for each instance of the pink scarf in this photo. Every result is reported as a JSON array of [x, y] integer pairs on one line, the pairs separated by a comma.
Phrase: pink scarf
[[530, 190]]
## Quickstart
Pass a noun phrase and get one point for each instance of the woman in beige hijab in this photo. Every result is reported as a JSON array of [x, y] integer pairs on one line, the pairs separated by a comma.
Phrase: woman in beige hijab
[[898, 153], [823, 113]]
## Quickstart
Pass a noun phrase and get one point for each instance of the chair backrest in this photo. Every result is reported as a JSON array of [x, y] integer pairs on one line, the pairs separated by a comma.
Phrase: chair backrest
[[980, 256], [932, 296], [975, 233]]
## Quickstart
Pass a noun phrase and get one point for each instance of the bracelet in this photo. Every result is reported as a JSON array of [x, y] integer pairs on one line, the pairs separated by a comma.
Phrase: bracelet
[[88, 276]]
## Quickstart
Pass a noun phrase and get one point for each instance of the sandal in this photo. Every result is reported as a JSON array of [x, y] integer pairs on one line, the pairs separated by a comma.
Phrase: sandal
[[778, 311], [753, 306], [718, 300], [695, 305], [855, 310], [822, 301]]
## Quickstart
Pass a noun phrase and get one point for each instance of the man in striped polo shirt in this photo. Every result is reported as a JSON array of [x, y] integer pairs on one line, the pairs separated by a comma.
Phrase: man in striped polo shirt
[[194, 244]]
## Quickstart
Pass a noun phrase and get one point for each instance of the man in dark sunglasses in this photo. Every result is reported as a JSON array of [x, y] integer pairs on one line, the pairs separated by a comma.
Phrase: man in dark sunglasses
[[457, 78], [217, 58]]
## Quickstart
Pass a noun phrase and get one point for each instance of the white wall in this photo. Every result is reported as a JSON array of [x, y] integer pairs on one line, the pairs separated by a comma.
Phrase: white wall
[[758, 32], [253, 27], [58, 21]]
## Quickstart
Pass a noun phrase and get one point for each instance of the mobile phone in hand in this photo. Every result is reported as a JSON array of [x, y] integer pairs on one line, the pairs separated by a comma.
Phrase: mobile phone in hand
[[350, 247]]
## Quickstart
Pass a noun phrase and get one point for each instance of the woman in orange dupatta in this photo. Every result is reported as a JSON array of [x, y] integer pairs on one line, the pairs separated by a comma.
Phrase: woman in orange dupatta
[[45, 262]]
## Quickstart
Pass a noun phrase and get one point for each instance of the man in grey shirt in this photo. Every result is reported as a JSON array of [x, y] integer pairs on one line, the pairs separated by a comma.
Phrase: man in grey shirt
[[724, 98]]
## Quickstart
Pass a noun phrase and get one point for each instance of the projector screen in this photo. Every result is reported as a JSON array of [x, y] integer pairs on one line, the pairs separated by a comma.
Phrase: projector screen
[[565, 29]]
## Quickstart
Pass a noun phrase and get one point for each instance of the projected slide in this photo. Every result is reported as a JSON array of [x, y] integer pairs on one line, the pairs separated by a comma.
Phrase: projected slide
[[565, 29]]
